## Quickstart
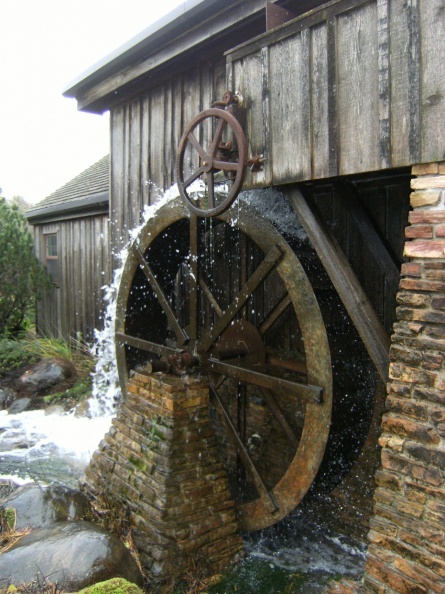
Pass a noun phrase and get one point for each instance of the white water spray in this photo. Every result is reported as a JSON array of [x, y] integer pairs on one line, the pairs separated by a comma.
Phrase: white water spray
[[106, 393]]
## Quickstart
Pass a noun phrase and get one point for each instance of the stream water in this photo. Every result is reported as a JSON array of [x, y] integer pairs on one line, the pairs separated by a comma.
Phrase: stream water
[[55, 448], [47, 448]]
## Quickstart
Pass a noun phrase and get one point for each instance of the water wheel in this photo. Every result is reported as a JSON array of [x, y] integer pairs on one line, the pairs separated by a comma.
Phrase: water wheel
[[228, 296]]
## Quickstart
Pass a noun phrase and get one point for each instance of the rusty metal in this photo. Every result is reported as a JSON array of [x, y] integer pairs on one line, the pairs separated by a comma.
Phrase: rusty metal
[[214, 157], [229, 100], [256, 163], [178, 364], [232, 350]]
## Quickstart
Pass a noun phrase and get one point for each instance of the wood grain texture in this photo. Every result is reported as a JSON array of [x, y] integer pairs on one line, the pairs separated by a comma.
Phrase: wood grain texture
[[432, 93], [357, 76], [75, 307]]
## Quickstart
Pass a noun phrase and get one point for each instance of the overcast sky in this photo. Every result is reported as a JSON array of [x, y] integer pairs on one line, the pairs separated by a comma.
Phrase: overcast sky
[[45, 44]]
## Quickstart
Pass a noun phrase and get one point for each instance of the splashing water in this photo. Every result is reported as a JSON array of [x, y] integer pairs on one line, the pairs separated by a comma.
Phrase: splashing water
[[55, 448], [106, 390]]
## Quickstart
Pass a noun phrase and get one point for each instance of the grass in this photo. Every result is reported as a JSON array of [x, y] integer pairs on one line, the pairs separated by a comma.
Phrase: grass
[[22, 352]]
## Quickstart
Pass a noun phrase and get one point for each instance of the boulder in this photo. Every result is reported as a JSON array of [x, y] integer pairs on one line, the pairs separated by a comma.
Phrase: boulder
[[72, 554], [45, 374], [19, 405], [37, 506]]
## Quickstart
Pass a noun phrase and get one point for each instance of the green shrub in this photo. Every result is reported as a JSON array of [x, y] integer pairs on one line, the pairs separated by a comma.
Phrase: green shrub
[[22, 276], [14, 354], [78, 392]]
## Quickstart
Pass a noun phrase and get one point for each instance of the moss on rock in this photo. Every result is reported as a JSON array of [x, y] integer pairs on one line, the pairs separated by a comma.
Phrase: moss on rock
[[113, 586]]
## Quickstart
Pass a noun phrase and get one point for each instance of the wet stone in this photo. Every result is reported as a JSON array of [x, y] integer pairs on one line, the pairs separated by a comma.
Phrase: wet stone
[[74, 554]]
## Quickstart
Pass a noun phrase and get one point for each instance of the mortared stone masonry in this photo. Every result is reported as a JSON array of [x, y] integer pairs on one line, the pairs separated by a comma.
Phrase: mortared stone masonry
[[160, 462], [406, 553]]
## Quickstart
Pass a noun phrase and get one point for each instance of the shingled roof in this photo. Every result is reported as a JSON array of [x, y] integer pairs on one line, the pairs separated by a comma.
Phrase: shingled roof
[[87, 193]]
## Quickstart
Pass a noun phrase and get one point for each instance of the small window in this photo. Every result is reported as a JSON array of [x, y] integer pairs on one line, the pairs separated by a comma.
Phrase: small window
[[52, 256]]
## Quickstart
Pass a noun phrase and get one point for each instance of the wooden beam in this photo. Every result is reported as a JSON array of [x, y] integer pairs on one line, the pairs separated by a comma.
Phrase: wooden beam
[[345, 282], [276, 16]]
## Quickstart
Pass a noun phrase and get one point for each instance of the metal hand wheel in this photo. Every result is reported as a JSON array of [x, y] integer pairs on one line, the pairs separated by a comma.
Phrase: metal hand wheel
[[210, 172]]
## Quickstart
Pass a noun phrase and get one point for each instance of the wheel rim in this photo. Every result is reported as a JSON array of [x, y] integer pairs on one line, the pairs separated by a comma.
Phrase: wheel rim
[[270, 502]]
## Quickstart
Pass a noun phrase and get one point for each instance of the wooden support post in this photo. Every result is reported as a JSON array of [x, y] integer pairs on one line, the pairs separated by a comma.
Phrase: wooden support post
[[345, 282]]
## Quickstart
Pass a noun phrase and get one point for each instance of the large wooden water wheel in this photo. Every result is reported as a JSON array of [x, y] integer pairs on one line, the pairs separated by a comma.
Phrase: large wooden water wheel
[[229, 297]]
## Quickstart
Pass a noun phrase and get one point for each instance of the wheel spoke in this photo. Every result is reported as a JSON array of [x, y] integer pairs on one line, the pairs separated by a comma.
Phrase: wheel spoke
[[274, 314], [217, 138], [210, 190], [263, 270], [279, 415], [181, 335], [207, 292], [146, 345], [225, 165], [302, 391], [193, 177], [193, 322], [266, 496], [194, 141]]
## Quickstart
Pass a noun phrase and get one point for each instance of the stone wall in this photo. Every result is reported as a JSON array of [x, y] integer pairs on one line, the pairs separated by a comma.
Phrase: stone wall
[[407, 531], [159, 462]]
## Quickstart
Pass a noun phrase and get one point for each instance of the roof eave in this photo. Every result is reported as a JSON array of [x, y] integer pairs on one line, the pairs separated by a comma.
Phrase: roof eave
[[96, 204], [146, 42], [189, 26]]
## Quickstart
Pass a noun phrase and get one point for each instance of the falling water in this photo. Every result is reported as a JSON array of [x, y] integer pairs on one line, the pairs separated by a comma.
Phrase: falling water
[[55, 446]]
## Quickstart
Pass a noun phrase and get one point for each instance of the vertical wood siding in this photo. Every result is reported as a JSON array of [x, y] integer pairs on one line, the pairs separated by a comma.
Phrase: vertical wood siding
[[354, 87], [145, 134], [75, 307]]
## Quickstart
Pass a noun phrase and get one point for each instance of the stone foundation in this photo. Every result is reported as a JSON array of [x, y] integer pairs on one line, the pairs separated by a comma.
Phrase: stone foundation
[[159, 461], [406, 553]]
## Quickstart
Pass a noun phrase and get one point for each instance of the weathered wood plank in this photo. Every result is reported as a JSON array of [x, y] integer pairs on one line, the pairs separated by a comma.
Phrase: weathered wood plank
[[349, 289], [117, 178], [251, 76], [384, 83], [290, 115], [333, 136], [157, 142], [177, 123], [358, 90], [134, 164], [405, 82], [169, 149], [145, 151], [432, 94], [320, 103]]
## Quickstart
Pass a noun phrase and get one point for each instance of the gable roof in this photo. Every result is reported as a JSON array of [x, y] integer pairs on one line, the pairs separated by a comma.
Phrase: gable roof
[[86, 194]]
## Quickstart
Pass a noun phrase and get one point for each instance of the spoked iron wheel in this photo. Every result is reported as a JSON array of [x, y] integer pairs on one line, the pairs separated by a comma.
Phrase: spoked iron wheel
[[211, 162], [232, 295]]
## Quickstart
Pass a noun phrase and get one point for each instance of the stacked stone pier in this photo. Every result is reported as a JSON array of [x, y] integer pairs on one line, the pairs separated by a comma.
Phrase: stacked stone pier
[[160, 462]]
